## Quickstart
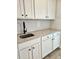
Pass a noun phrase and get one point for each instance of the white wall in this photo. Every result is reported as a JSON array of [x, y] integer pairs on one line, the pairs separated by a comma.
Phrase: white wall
[[32, 25], [57, 23]]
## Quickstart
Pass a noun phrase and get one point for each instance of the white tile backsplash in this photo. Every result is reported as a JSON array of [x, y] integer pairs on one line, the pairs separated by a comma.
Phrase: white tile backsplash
[[32, 25]]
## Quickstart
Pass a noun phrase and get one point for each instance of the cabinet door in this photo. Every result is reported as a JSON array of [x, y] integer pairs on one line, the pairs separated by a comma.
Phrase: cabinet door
[[58, 11], [20, 9], [40, 9], [17, 55], [46, 47], [26, 53], [28, 4], [36, 51], [51, 9], [56, 41]]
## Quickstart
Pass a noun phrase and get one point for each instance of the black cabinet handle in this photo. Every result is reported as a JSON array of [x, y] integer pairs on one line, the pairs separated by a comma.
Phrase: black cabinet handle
[[33, 47], [29, 49], [22, 15], [26, 15], [46, 16]]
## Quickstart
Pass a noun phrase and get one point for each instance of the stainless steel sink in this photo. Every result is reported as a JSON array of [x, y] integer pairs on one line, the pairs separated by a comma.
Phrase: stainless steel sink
[[26, 35]]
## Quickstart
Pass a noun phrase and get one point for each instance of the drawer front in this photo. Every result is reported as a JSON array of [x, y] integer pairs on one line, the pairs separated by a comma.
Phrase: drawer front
[[28, 43], [24, 45], [35, 41]]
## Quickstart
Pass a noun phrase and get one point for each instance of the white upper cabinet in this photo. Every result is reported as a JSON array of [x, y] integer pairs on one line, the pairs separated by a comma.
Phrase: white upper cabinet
[[28, 4], [51, 9], [36, 9], [20, 9], [45, 9], [40, 9], [25, 9]]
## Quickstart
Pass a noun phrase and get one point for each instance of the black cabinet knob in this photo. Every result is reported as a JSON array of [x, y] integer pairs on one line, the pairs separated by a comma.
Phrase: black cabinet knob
[[46, 16], [29, 49], [52, 38], [26, 15], [22, 15], [33, 47]]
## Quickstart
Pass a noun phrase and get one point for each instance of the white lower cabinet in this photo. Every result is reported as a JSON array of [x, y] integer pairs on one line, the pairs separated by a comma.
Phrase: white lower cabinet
[[36, 51], [17, 55], [39, 48], [31, 50], [25, 53], [46, 45], [56, 40], [50, 42]]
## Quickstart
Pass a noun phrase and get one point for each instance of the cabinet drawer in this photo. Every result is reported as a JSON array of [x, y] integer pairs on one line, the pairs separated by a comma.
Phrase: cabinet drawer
[[37, 40], [24, 45], [28, 43]]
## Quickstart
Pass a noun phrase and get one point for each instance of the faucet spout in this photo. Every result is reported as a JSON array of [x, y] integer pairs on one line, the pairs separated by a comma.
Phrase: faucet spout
[[24, 28]]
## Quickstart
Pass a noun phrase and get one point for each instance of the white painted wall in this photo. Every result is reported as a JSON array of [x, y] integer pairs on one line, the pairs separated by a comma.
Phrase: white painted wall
[[57, 23], [32, 25]]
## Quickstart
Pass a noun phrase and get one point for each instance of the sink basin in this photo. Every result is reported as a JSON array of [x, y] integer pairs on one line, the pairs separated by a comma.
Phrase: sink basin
[[26, 35]]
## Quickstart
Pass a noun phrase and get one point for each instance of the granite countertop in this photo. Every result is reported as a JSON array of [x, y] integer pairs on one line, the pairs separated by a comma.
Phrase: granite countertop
[[37, 34]]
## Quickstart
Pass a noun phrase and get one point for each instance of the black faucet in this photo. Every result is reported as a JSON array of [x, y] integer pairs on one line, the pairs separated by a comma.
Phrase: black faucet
[[24, 30]]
